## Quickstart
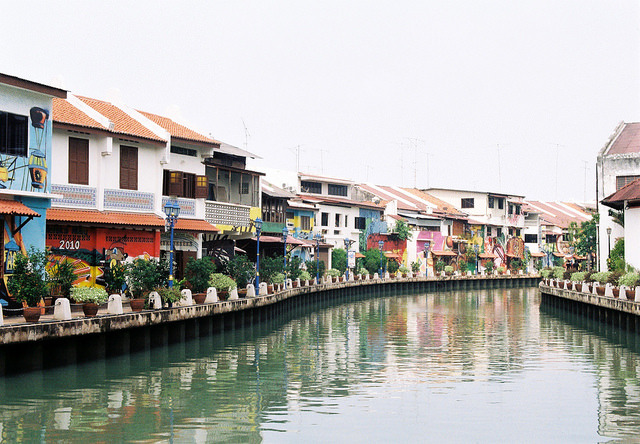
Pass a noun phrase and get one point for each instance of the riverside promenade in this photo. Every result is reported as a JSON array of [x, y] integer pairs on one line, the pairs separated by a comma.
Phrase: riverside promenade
[[51, 343]]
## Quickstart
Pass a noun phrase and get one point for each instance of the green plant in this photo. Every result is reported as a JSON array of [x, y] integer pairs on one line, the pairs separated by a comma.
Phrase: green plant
[[489, 266], [197, 272], [169, 295], [372, 259], [415, 266], [145, 275], [293, 267], [588, 276], [28, 282], [614, 277], [339, 259], [221, 282], [500, 269], [578, 276], [402, 231], [616, 262], [439, 266], [312, 267], [392, 266], [558, 272], [448, 269], [630, 279], [241, 270], [516, 264], [277, 278], [546, 272], [95, 295], [304, 276], [363, 271], [333, 272], [600, 277], [404, 270], [270, 266], [115, 277], [61, 276]]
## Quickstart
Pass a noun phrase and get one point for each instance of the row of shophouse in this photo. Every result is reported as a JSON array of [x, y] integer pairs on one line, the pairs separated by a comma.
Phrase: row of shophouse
[[88, 179]]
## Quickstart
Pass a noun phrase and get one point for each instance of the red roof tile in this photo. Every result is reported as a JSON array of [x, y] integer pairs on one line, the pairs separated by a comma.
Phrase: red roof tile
[[177, 130], [123, 122], [104, 217], [16, 208], [628, 141], [65, 112], [197, 225]]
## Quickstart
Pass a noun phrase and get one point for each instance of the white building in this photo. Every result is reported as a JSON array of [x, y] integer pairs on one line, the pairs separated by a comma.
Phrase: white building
[[627, 200]]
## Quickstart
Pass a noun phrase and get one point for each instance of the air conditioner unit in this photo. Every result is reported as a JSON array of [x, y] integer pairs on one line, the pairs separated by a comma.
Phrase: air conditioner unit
[[290, 225]]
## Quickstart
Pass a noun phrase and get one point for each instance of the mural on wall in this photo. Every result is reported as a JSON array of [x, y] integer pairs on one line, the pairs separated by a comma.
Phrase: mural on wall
[[13, 244], [392, 246]]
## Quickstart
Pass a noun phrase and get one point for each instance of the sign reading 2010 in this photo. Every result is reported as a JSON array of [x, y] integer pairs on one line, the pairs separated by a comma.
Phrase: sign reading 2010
[[69, 244]]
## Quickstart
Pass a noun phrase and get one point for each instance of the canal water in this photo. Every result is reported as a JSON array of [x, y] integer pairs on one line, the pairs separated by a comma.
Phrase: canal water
[[477, 366]]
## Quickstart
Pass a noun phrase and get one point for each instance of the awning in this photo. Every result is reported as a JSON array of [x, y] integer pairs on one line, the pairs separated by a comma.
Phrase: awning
[[105, 217], [290, 241], [393, 255], [556, 254], [16, 208], [487, 256], [443, 253], [538, 255], [198, 225], [359, 254]]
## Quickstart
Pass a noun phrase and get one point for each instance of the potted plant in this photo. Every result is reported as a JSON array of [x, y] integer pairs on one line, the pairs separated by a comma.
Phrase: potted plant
[[393, 267], [61, 277], [439, 266], [277, 279], [448, 270], [415, 267], [197, 273], [304, 276], [90, 297], [171, 295], [142, 277], [630, 280], [222, 283], [500, 270], [28, 283], [404, 270], [363, 272], [241, 270], [333, 273], [489, 266], [614, 277], [114, 275], [601, 278]]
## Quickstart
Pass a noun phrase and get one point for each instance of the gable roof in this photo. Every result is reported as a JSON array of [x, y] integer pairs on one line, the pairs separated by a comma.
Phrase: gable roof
[[560, 214], [629, 193], [28, 85], [65, 112], [626, 140], [179, 131]]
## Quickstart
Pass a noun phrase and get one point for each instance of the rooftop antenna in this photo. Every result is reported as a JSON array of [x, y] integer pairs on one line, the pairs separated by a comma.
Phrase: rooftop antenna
[[322, 151], [499, 173], [415, 143], [297, 151], [428, 174], [246, 135], [586, 163]]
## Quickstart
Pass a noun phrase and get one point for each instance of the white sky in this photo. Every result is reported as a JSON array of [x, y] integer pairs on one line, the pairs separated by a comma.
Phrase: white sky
[[360, 87]]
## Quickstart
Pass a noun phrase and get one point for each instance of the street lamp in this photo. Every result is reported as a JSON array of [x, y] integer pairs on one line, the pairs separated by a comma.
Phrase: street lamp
[[285, 232], [427, 247], [609, 241], [258, 223], [318, 258], [172, 210], [347, 242], [380, 245]]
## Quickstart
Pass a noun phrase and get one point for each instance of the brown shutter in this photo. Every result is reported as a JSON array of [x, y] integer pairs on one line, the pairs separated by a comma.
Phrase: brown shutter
[[202, 187], [128, 167], [78, 161], [175, 183]]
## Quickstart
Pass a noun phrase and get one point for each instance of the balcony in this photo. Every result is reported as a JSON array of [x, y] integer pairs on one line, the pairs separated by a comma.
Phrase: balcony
[[220, 213]]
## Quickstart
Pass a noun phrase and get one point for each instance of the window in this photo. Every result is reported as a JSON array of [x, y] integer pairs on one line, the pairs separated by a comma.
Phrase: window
[[184, 151], [622, 181], [498, 232], [361, 223], [488, 231], [510, 209], [305, 223], [491, 202], [13, 134], [337, 220], [337, 190], [128, 167], [500, 204], [78, 161], [517, 232], [181, 184], [325, 219], [244, 188], [467, 202], [189, 185], [518, 209], [346, 221], [310, 187]]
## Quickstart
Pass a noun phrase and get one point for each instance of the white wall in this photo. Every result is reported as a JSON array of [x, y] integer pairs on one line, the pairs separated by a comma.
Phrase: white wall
[[632, 237]]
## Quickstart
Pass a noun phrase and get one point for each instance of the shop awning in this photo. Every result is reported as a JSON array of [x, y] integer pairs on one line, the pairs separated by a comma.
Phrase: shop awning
[[443, 253], [198, 225], [16, 208], [393, 255], [359, 254], [556, 254], [290, 241], [105, 218], [487, 256], [538, 255]]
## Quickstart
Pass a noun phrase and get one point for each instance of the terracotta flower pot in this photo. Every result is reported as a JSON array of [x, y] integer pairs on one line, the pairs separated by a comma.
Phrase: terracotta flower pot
[[270, 288], [90, 309], [223, 295], [199, 298], [600, 290], [136, 304], [616, 292], [242, 293], [31, 314]]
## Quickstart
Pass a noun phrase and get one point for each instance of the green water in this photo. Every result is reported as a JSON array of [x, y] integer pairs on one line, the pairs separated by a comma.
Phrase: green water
[[482, 366]]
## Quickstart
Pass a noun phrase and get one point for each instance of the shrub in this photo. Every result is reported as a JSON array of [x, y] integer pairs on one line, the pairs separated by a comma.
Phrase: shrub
[[27, 284], [333, 272], [304, 276], [489, 266], [545, 273], [600, 277], [61, 275], [415, 266], [448, 269], [95, 295], [558, 272], [311, 267], [404, 270], [221, 282], [392, 266], [363, 271], [578, 276], [439, 265], [169, 295], [197, 273], [145, 275], [630, 279], [241, 270], [277, 278], [115, 277], [339, 259], [293, 267], [500, 269], [372, 259], [614, 277], [270, 266]]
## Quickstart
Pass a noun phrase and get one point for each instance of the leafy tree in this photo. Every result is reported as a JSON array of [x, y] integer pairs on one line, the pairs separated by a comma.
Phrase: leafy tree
[[198, 272], [392, 266], [372, 260], [402, 230], [269, 267], [617, 216], [293, 267], [616, 262], [145, 275], [339, 259], [28, 282], [585, 242], [311, 268]]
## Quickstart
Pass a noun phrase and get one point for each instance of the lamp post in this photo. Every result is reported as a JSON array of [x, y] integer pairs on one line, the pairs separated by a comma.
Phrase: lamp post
[[285, 232], [427, 247], [172, 210], [608, 241], [380, 245], [318, 258], [258, 223], [347, 242]]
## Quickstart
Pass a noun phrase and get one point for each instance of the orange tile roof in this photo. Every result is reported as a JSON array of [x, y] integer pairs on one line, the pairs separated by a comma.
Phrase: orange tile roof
[[16, 208], [104, 217], [65, 112], [123, 122], [198, 225], [177, 130]]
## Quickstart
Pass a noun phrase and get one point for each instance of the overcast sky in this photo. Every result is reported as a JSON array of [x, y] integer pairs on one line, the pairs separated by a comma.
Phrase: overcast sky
[[489, 95]]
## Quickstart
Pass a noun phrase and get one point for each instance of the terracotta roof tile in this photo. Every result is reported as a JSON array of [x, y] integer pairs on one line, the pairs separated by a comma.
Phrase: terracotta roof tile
[[198, 225], [105, 217], [65, 112], [123, 122], [628, 141], [17, 208], [177, 130]]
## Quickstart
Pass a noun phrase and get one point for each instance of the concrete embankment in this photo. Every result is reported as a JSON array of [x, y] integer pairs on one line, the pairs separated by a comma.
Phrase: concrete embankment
[[27, 347]]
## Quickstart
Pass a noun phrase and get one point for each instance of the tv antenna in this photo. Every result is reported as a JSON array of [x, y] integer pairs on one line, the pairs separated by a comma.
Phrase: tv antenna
[[246, 135]]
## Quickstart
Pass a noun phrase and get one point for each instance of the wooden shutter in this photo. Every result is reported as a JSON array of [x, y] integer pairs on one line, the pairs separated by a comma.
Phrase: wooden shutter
[[202, 187], [175, 183], [78, 161], [128, 167]]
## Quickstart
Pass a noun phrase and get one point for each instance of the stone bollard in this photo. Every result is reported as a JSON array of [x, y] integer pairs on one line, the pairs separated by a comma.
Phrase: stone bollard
[[594, 288], [186, 299], [315, 281], [565, 285], [375, 276], [623, 292], [298, 283], [114, 307], [233, 294], [306, 282], [62, 310], [1, 318], [520, 272], [573, 286], [608, 290], [386, 275], [212, 296], [508, 272], [263, 290], [155, 301], [468, 273], [251, 291], [637, 297], [455, 273], [585, 287]]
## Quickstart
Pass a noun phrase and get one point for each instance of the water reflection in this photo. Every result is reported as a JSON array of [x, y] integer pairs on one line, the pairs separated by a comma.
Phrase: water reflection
[[478, 366]]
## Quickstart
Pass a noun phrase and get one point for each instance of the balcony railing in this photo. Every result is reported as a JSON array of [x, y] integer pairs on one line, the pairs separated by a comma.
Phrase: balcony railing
[[220, 213]]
